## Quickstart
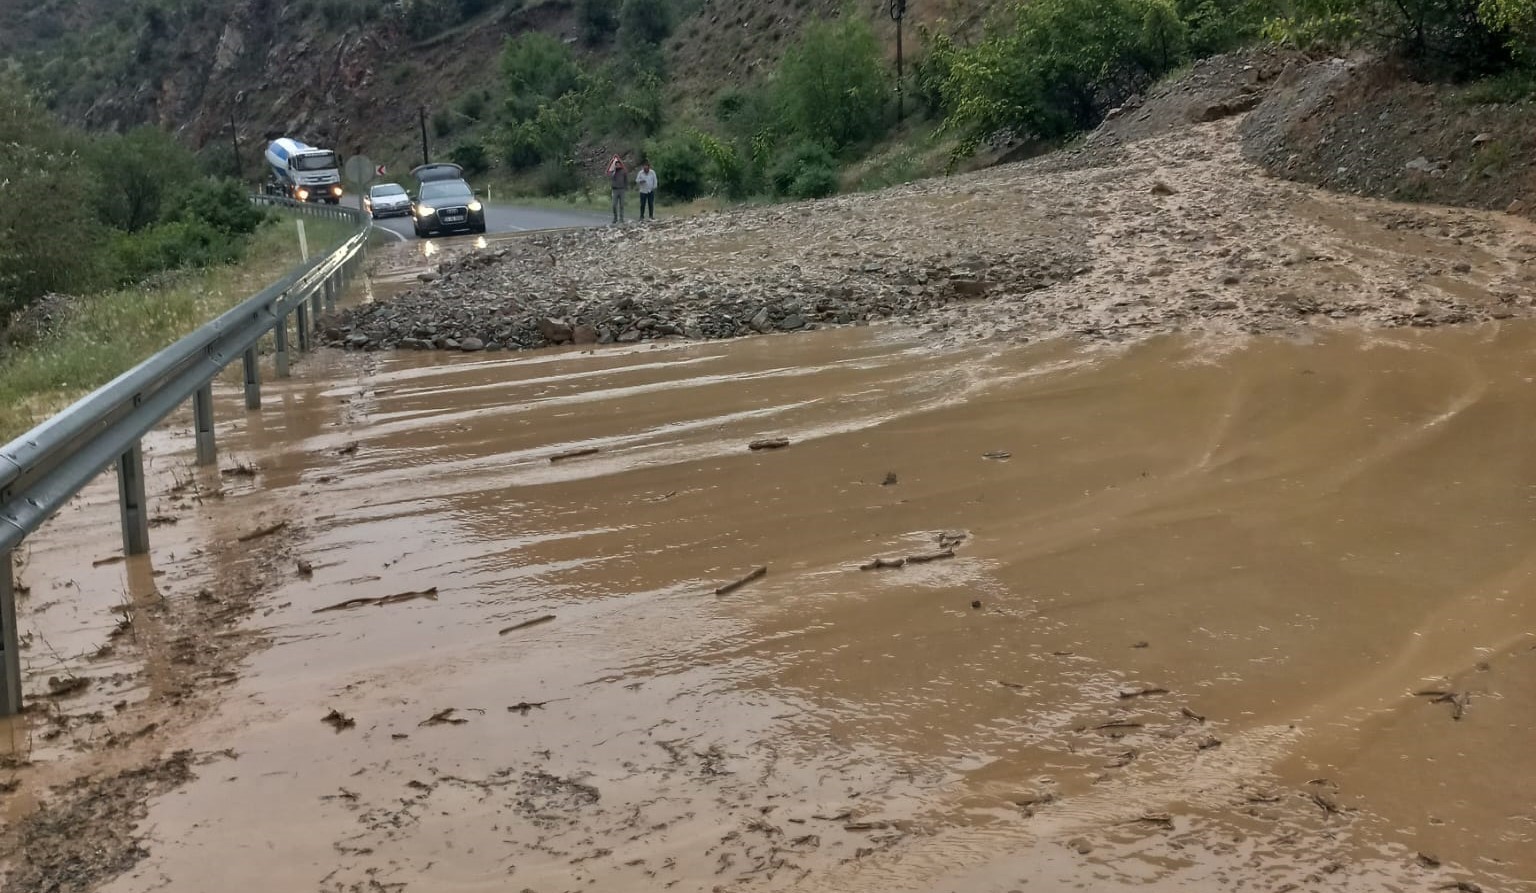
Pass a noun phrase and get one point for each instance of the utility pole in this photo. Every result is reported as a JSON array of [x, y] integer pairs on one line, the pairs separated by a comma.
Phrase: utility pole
[[426, 157], [898, 11]]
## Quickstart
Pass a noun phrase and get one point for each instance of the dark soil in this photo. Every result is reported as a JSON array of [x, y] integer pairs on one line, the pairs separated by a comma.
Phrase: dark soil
[[87, 835]]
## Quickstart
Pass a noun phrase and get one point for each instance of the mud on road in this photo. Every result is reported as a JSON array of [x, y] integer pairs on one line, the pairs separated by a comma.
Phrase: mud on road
[[1201, 611]]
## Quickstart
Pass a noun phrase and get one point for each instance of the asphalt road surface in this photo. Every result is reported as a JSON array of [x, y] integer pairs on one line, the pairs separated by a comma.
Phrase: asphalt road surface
[[502, 218]]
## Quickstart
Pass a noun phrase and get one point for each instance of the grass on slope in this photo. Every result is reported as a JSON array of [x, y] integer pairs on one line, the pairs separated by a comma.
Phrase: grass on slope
[[107, 334]]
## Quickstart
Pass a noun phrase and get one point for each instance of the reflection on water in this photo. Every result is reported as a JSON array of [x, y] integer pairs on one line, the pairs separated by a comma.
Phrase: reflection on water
[[1201, 582]]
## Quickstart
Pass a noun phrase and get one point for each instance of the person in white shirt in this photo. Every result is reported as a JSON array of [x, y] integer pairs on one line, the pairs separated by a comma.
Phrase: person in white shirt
[[645, 180]]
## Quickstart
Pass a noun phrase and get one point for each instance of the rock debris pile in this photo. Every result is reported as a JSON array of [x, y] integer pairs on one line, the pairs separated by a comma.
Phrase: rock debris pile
[[1112, 241]]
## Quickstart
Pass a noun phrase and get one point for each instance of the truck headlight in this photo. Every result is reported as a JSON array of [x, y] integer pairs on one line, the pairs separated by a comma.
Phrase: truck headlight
[[335, 190], [303, 195], [475, 206]]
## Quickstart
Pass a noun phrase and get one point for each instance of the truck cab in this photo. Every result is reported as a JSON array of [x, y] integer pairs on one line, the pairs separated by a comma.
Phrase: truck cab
[[303, 172]]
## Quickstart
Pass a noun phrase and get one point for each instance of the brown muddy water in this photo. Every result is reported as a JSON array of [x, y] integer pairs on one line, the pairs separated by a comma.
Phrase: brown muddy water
[[1176, 649]]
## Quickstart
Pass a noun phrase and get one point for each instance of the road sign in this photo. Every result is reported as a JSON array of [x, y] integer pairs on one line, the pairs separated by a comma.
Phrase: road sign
[[358, 171], [380, 171]]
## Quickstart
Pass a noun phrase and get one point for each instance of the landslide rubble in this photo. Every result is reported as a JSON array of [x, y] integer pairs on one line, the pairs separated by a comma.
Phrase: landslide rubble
[[1109, 241], [846, 261]]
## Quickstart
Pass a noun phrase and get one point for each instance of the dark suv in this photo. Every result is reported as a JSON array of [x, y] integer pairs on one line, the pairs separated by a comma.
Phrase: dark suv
[[444, 203]]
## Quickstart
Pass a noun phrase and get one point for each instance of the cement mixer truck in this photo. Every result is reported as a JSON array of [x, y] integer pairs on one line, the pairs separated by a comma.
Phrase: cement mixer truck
[[303, 173]]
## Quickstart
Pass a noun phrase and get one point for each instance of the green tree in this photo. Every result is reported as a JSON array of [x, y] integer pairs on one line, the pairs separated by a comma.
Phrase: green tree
[[536, 69], [1058, 65], [137, 172], [832, 85], [49, 230]]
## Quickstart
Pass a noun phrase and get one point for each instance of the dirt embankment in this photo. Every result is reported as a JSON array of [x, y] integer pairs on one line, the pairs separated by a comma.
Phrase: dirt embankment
[[1365, 127]]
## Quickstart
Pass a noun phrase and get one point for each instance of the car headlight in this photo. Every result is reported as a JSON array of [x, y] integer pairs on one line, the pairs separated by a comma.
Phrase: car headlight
[[475, 206], [425, 210]]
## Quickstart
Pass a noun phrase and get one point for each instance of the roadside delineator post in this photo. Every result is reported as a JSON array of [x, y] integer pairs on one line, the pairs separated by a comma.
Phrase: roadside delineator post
[[202, 415], [130, 496], [10, 643]]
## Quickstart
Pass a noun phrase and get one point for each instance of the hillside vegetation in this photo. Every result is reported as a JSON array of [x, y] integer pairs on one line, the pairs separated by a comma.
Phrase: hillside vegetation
[[87, 212], [771, 99], [545, 91]]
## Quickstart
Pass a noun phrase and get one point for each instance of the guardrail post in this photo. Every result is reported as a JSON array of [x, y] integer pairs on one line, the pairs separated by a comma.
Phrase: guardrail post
[[301, 317], [280, 346], [332, 283], [252, 380], [316, 301], [10, 642], [130, 493], [202, 417]]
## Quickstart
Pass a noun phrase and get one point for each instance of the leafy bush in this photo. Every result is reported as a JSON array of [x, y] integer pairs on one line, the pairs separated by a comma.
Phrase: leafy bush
[[1452, 38], [832, 85], [551, 134], [536, 69], [472, 105], [472, 157], [814, 182], [217, 205], [558, 177], [802, 167], [104, 210], [1059, 65], [598, 18], [682, 164], [133, 257], [136, 174], [1517, 85]]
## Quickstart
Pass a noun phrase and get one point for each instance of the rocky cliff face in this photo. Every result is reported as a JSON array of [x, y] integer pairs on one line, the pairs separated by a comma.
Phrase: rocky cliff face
[[268, 65]]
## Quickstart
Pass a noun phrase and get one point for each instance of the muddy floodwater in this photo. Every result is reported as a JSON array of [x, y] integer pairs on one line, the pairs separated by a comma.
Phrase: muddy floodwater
[[1219, 615]]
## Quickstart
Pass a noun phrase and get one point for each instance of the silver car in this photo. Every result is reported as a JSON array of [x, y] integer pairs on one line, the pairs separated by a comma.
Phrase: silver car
[[387, 200]]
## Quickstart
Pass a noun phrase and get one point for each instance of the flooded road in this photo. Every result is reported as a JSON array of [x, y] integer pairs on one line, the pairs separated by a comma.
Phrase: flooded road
[[1195, 588]]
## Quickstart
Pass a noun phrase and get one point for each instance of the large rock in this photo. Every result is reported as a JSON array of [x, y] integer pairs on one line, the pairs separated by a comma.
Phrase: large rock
[[470, 345], [555, 331], [583, 334]]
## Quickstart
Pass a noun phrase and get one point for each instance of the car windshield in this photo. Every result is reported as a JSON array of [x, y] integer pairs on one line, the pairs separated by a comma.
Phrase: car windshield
[[315, 161], [451, 191], [388, 190]]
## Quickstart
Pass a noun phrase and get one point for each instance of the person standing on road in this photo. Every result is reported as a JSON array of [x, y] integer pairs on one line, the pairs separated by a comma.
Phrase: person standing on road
[[619, 176], [645, 181]]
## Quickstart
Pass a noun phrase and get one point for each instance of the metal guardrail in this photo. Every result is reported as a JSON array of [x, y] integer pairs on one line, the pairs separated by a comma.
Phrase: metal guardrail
[[43, 469]]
